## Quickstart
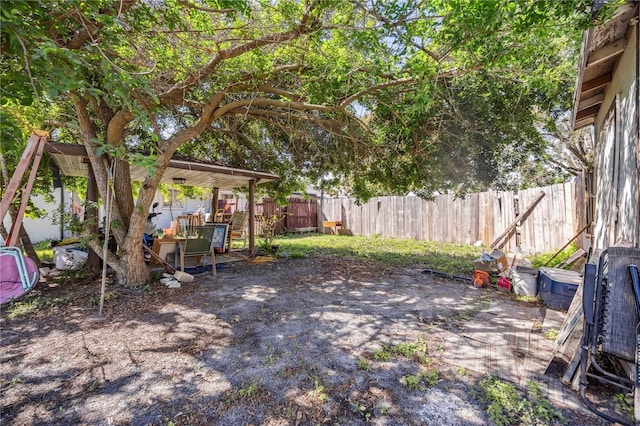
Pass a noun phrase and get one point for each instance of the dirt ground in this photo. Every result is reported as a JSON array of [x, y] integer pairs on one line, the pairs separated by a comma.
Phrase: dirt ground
[[286, 342]]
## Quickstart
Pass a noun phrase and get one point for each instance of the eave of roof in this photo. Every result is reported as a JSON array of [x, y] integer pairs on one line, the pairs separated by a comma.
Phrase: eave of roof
[[602, 46], [72, 160]]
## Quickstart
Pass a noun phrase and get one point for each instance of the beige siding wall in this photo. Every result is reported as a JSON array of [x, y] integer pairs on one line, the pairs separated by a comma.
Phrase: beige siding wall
[[617, 169]]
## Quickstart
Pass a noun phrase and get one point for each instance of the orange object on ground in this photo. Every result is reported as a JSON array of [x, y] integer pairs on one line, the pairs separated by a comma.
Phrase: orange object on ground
[[480, 278]]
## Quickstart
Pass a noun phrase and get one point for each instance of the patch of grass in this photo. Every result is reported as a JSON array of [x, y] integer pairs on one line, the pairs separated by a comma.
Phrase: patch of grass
[[108, 297], [551, 334], [382, 355], [269, 359], [409, 349], [319, 391], [431, 377], [449, 258], [540, 259], [249, 392], [462, 371], [413, 382], [44, 250], [361, 410], [33, 302], [426, 361], [506, 405], [528, 299], [364, 364], [72, 276], [14, 380]]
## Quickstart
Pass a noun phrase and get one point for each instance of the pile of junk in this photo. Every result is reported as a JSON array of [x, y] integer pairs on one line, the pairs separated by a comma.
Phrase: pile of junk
[[555, 286]]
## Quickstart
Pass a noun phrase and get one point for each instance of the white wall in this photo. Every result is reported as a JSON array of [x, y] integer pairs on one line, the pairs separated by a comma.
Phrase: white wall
[[191, 206], [45, 227], [617, 171]]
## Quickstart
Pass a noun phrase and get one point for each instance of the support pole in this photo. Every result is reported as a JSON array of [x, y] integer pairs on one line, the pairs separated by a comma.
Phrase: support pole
[[91, 218], [215, 192], [252, 218]]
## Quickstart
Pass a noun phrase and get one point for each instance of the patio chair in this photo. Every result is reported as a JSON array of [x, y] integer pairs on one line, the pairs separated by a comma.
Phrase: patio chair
[[611, 325], [197, 242], [188, 221], [237, 227]]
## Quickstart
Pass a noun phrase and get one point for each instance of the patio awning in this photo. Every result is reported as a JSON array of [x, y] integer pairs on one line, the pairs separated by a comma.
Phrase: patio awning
[[72, 160], [601, 48]]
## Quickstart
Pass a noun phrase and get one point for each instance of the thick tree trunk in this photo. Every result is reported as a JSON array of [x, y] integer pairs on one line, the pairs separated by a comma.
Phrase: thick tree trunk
[[133, 270], [122, 187]]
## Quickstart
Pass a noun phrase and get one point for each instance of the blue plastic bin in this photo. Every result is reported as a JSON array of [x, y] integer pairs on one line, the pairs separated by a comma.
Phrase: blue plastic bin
[[557, 287]]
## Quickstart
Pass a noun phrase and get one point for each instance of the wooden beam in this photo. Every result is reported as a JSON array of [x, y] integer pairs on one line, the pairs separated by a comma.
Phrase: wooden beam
[[215, 193], [591, 111], [596, 83], [593, 100], [585, 122], [520, 219], [607, 52]]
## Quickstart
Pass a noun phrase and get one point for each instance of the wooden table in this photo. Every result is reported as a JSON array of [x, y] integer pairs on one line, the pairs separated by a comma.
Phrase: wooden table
[[333, 225]]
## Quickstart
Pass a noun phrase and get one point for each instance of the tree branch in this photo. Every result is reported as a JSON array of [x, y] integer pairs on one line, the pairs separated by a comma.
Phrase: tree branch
[[354, 97], [204, 9], [178, 91], [84, 34]]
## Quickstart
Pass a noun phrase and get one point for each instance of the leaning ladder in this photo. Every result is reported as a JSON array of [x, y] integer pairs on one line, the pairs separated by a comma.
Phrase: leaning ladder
[[33, 151]]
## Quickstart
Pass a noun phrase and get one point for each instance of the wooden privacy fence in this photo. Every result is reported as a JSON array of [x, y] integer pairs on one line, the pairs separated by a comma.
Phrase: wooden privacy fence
[[477, 217], [299, 214]]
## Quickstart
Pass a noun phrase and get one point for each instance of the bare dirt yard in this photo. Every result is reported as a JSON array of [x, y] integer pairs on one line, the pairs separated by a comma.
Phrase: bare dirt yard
[[314, 340]]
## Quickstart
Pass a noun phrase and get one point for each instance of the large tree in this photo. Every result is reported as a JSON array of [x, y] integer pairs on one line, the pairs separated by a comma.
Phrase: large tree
[[395, 93]]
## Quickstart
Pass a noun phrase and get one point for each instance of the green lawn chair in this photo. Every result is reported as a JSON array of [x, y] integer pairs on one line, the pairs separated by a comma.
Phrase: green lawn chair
[[197, 242]]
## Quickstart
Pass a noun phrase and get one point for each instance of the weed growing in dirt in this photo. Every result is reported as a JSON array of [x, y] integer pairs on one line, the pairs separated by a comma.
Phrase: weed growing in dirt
[[624, 404], [319, 391], [431, 377], [249, 392], [413, 382], [506, 406], [269, 359], [364, 364], [551, 334], [361, 410], [409, 349], [68, 276], [33, 302], [528, 299], [417, 350], [540, 259], [108, 297], [382, 355], [14, 381], [462, 371], [426, 361]]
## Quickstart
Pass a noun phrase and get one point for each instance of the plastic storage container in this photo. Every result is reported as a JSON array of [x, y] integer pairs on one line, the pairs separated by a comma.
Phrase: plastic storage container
[[557, 287], [525, 281]]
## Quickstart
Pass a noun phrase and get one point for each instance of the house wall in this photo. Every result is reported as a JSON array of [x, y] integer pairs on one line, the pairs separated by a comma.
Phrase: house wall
[[617, 146], [191, 205], [46, 227]]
